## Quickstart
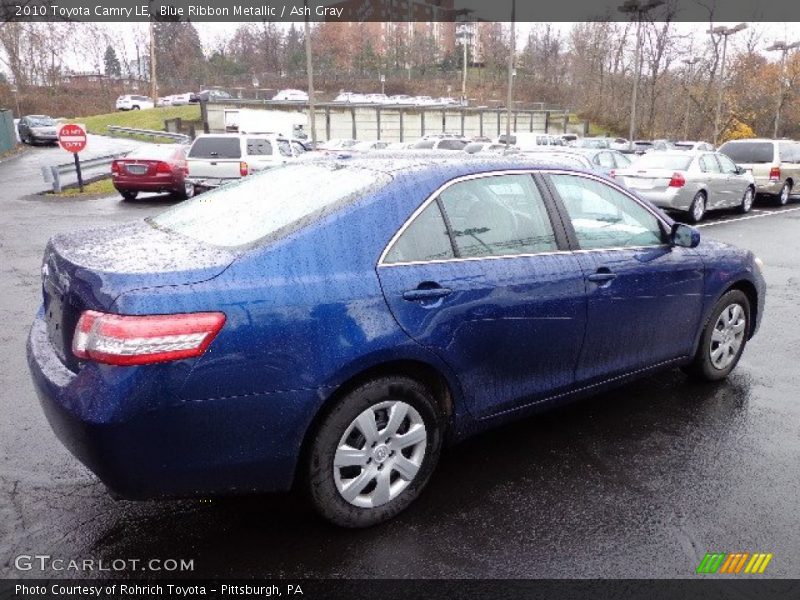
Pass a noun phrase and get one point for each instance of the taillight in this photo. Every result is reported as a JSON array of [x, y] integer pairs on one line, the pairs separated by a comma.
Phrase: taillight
[[677, 180], [243, 168], [139, 340], [162, 167], [115, 168], [775, 174]]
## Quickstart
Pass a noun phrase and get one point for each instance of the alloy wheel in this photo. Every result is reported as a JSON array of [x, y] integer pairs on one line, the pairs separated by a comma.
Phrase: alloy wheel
[[747, 201], [785, 191]]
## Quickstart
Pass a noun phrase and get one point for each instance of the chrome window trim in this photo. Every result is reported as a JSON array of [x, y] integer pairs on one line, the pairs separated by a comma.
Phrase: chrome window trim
[[472, 176]]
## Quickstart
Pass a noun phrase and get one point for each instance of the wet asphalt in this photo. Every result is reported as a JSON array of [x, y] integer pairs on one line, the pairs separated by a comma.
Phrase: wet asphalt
[[638, 482]]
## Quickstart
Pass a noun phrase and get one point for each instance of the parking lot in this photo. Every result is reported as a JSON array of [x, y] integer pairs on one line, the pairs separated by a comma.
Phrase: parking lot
[[641, 481]]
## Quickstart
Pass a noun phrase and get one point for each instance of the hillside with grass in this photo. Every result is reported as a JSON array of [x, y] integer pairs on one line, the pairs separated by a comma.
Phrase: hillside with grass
[[152, 118]]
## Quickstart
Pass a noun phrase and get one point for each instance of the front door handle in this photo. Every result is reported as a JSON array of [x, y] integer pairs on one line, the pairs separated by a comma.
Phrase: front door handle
[[602, 276], [427, 293]]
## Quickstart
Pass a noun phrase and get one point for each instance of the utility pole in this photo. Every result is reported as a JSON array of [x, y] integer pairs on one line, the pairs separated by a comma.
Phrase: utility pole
[[689, 62], [310, 71], [511, 52], [724, 32], [153, 80], [637, 11], [465, 34], [784, 48]]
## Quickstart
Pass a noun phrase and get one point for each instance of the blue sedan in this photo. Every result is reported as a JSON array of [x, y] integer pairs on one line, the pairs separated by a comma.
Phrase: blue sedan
[[332, 324]]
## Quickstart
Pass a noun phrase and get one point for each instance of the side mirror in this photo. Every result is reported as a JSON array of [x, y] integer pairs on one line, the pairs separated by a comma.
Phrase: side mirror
[[684, 236], [739, 170]]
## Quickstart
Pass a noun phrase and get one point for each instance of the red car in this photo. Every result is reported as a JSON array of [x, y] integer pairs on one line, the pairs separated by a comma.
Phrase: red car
[[153, 168]]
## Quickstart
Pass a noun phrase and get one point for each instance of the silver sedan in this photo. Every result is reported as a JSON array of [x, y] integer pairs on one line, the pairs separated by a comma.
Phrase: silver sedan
[[690, 182]]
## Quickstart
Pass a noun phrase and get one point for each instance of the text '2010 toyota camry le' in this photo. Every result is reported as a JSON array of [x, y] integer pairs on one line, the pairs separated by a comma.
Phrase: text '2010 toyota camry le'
[[330, 324]]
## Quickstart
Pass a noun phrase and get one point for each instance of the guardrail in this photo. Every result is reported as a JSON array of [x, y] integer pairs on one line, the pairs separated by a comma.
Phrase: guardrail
[[180, 138], [52, 174]]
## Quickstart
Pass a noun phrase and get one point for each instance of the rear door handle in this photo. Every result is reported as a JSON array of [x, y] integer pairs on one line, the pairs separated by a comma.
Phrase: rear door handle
[[601, 277], [427, 294]]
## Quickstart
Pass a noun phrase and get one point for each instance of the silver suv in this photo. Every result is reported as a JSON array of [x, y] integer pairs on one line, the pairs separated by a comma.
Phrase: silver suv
[[775, 164]]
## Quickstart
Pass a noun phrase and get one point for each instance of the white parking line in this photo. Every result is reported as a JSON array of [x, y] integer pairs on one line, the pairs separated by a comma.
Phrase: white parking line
[[768, 213]]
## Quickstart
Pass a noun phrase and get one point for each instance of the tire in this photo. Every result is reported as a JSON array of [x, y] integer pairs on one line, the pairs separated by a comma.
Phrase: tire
[[697, 209], [782, 197], [747, 201], [128, 196], [375, 456], [187, 192], [134, 108], [719, 340]]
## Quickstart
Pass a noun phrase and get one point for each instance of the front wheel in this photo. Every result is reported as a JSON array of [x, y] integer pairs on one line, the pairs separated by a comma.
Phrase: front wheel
[[747, 201], [697, 209], [724, 338], [374, 452]]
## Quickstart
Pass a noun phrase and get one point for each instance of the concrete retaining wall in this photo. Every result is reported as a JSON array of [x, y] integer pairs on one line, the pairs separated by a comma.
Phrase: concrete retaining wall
[[8, 139]]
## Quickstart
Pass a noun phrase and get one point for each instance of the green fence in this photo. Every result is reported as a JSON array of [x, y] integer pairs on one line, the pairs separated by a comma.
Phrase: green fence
[[7, 138]]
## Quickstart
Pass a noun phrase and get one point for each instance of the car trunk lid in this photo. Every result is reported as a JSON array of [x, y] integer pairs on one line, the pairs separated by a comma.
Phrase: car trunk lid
[[89, 270], [646, 179]]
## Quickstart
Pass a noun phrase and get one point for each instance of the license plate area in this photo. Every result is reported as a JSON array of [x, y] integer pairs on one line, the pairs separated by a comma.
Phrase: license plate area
[[136, 169]]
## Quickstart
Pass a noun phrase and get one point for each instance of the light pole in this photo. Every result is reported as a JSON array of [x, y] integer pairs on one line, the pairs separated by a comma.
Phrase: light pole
[[689, 62], [511, 51], [637, 10], [310, 71], [784, 48], [465, 35], [724, 32]]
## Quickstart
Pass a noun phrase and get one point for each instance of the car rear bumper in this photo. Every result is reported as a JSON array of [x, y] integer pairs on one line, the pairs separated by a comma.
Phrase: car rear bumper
[[122, 424], [671, 199], [768, 187], [131, 184]]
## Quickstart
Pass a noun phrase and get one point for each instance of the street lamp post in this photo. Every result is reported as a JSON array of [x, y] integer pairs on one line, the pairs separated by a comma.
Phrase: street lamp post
[[784, 49], [689, 62], [636, 9], [310, 73], [724, 32]]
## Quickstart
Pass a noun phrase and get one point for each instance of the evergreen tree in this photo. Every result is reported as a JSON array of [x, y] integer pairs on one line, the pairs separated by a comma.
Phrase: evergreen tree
[[113, 68]]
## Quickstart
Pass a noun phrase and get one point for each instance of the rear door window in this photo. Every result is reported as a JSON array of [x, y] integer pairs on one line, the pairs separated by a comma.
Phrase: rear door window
[[258, 147], [216, 147], [424, 240], [709, 164], [789, 151], [749, 152]]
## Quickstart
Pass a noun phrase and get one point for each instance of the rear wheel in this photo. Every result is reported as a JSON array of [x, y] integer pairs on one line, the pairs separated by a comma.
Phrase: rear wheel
[[724, 338], [374, 452], [747, 201], [782, 199], [697, 209], [128, 195], [187, 191]]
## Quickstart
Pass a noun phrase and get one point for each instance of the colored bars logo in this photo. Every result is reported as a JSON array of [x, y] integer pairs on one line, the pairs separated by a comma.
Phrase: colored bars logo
[[740, 562]]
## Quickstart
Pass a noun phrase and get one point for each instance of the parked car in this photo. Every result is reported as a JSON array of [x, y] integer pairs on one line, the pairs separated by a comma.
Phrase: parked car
[[350, 97], [164, 101], [401, 99], [226, 346], [376, 98], [570, 139], [213, 96], [181, 99], [440, 143], [594, 142], [690, 182], [602, 160], [218, 158], [426, 101], [153, 168], [661, 145], [689, 145], [133, 102], [368, 146], [291, 96], [37, 129], [338, 144], [775, 164], [525, 140]]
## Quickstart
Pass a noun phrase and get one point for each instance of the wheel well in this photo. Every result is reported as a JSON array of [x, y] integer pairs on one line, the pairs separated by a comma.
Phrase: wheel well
[[419, 371], [749, 290], [790, 181]]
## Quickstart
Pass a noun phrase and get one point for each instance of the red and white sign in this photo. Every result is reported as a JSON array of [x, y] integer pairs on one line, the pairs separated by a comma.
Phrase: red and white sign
[[72, 137]]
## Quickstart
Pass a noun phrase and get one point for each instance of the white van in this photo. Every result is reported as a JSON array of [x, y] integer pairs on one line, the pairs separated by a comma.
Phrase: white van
[[527, 140]]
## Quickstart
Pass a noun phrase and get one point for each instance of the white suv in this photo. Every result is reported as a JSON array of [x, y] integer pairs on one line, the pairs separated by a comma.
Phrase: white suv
[[218, 158], [131, 102], [291, 96]]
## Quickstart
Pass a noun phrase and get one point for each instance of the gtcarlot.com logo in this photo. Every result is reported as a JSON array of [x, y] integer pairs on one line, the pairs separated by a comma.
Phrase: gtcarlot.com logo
[[46, 562], [734, 563]]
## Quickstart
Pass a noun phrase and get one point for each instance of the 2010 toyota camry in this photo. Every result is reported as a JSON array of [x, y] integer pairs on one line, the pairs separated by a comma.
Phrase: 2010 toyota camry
[[330, 324]]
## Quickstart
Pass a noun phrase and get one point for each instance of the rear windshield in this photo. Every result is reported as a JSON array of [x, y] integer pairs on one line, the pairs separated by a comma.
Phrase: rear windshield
[[425, 144], [672, 162], [41, 121], [216, 147], [748, 152], [159, 152], [270, 205]]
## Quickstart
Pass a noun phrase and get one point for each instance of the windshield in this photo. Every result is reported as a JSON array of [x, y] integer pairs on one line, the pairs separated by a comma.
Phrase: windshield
[[748, 152], [272, 204], [41, 121], [673, 162]]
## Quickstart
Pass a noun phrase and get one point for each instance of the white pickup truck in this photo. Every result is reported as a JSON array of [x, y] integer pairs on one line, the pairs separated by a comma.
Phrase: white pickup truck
[[218, 158]]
